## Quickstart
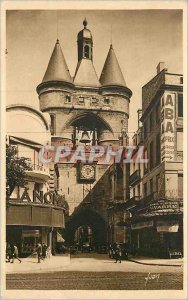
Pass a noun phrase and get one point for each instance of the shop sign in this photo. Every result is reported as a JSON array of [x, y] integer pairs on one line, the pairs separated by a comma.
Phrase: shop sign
[[31, 233], [39, 197], [141, 225], [165, 206], [167, 126], [167, 226]]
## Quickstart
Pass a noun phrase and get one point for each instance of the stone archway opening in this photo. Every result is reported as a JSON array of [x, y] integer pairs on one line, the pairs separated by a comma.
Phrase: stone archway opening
[[86, 225], [91, 124]]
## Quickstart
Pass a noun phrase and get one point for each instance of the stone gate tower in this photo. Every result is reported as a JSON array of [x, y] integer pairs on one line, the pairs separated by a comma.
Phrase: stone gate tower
[[85, 110]]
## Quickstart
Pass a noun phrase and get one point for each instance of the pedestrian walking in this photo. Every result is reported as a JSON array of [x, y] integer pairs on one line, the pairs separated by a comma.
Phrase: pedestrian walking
[[39, 252], [8, 253], [118, 254], [15, 254], [48, 252], [44, 249]]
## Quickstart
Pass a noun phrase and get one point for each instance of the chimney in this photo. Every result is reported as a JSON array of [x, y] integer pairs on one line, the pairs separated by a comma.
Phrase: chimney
[[160, 67]]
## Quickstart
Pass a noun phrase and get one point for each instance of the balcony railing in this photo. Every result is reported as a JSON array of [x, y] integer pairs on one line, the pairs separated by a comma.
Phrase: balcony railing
[[39, 171], [134, 178], [39, 168]]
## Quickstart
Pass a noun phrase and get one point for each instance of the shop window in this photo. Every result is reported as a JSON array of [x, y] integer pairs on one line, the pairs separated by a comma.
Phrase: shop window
[[180, 185], [180, 105], [68, 99], [86, 51], [158, 149], [52, 125]]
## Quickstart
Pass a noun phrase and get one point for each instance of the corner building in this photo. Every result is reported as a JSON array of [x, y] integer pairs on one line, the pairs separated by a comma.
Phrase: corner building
[[32, 215], [87, 111], [156, 203]]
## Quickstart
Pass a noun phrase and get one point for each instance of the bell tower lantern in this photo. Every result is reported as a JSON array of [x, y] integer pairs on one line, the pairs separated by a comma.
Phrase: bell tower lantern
[[85, 43]]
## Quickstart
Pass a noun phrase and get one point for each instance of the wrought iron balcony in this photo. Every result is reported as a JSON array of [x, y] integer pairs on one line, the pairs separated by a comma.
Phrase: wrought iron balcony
[[134, 178]]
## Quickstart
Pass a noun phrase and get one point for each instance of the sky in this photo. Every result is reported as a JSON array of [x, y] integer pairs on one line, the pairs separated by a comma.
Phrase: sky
[[141, 39]]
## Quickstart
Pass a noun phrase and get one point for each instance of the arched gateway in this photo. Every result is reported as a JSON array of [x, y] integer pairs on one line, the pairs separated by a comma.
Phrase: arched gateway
[[86, 217]]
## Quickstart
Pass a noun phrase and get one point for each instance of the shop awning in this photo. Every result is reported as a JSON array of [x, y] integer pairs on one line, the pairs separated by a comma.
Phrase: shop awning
[[60, 239]]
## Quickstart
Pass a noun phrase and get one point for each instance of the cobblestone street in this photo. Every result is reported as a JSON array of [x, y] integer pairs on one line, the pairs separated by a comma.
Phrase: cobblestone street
[[92, 271], [93, 281]]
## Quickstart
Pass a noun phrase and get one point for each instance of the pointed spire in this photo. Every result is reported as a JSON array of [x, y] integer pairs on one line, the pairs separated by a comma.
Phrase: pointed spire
[[85, 23], [111, 73], [57, 69], [85, 74]]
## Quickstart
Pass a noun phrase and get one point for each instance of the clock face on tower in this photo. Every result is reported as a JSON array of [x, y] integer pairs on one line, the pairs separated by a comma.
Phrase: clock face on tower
[[87, 172]]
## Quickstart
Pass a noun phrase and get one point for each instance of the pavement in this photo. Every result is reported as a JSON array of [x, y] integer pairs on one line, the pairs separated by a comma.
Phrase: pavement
[[31, 265], [157, 262], [93, 263]]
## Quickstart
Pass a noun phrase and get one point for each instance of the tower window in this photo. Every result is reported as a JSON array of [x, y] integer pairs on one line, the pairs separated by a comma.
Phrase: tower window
[[106, 101], [94, 100], [86, 51], [68, 99], [81, 100]]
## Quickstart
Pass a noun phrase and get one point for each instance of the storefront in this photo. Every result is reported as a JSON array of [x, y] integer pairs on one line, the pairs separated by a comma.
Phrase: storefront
[[29, 223], [157, 230]]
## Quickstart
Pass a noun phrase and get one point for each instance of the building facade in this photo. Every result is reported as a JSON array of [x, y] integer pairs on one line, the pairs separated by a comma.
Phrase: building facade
[[85, 111], [156, 204], [33, 213]]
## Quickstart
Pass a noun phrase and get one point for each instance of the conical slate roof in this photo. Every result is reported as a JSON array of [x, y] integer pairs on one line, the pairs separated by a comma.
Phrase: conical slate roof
[[85, 74], [57, 69], [111, 73]]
